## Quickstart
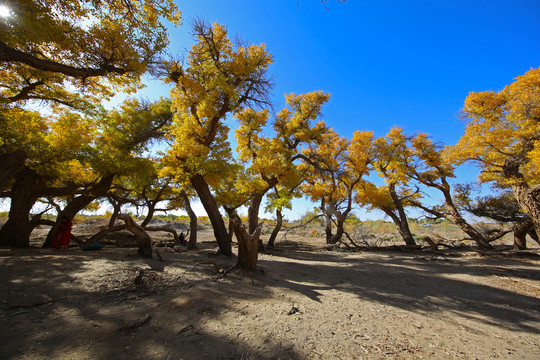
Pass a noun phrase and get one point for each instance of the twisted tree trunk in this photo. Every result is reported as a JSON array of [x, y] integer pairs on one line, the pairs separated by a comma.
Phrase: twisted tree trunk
[[248, 244], [529, 200], [145, 241]]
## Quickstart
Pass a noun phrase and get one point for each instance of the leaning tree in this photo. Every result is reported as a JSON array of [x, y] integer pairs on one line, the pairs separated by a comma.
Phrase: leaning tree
[[218, 80], [502, 136]]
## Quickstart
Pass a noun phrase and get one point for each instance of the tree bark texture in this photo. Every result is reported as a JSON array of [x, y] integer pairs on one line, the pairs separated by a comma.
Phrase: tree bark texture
[[248, 244], [520, 234], [16, 231], [145, 242], [529, 200], [253, 216], [340, 230], [209, 203], [400, 219]]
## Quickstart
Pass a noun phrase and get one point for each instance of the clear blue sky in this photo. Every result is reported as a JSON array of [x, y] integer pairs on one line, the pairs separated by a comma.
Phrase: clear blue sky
[[388, 62]]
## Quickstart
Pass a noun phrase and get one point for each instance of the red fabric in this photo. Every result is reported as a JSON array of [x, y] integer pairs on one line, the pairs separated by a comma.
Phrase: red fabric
[[61, 238]]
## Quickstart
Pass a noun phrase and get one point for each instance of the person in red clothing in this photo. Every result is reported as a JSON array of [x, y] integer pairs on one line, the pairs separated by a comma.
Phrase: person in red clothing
[[61, 238]]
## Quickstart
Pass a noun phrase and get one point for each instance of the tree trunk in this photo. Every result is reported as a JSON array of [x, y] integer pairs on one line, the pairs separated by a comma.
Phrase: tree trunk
[[253, 212], [16, 231], [277, 228], [145, 242], [455, 217], [476, 236], [209, 203], [529, 200], [340, 220], [328, 227], [400, 219], [149, 215], [231, 230], [248, 244], [520, 233], [403, 228], [101, 234], [253, 216], [192, 242], [80, 202], [117, 209], [10, 165]]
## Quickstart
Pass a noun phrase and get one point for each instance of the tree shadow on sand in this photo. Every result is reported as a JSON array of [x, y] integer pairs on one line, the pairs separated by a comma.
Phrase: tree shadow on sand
[[415, 284], [48, 313]]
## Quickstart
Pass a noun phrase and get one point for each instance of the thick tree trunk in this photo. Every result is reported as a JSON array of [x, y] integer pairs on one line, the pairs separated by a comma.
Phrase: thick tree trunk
[[402, 226], [10, 165], [521, 230], [192, 242], [529, 200], [520, 233], [16, 231], [339, 230], [253, 212], [145, 242], [277, 228], [209, 203], [248, 244]]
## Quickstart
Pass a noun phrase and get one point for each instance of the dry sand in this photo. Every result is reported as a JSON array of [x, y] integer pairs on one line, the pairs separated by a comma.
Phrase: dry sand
[[304, 303]]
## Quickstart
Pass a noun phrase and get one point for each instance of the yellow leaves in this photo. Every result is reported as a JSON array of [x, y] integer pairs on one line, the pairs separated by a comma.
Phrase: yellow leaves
[[391, 156], [22, 129], [373, 196], [218, 80], [76, 172], [361, 151], [486, 104], [99, 46], [503, 128], [295, 121]]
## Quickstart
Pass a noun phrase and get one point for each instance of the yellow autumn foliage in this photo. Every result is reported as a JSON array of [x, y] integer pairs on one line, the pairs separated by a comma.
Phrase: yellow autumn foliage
[[503, 130]]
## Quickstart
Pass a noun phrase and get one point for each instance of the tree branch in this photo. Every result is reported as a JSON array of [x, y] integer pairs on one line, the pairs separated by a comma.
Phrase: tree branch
[[8, 54]]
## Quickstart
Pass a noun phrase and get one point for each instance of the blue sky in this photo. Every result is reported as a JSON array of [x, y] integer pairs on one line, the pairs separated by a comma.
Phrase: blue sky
[[406, 63]]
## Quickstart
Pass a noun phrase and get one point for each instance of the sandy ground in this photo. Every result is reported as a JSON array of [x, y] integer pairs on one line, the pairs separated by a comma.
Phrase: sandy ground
[[303, 303]]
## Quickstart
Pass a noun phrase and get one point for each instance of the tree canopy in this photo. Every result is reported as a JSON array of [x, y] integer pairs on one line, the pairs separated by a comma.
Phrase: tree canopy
[[54, 50]]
